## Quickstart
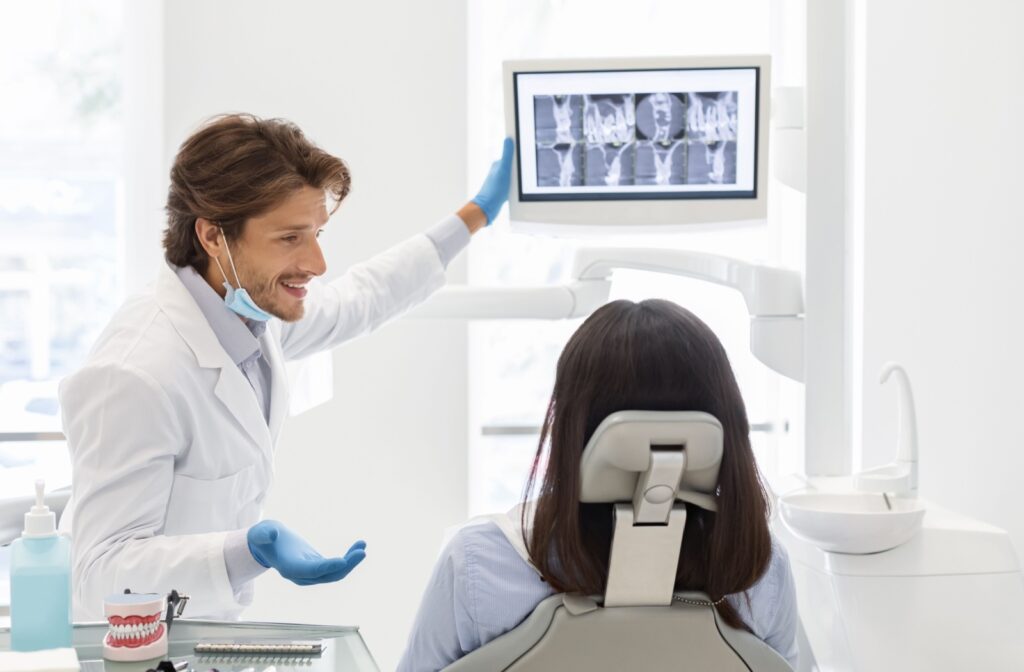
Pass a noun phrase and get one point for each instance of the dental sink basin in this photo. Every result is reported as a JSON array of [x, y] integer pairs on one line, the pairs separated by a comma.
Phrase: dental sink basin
[[851, 522]]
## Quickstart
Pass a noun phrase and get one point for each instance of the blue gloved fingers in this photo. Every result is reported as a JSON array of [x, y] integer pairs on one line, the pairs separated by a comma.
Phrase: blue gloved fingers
[[494, 191], [338, 568], [329, 566], [261, 539], [506, 154], [274, 545], [356, 554], [330, 570], [263, 532]]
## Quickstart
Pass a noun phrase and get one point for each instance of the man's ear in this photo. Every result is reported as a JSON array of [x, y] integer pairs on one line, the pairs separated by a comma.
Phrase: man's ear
[[210, 237]]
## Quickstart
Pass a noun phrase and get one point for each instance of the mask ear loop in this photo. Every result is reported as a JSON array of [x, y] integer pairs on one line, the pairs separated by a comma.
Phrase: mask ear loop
[[230, 260]]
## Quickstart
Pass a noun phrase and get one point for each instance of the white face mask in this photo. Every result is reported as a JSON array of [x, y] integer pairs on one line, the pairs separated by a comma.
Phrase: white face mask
[[238, 300]]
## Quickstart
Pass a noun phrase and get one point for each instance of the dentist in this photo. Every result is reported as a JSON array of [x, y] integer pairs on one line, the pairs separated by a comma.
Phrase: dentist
[[172, 421]]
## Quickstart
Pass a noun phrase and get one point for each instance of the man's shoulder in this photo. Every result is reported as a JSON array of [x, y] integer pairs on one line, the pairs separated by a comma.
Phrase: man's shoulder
[[141, 337]]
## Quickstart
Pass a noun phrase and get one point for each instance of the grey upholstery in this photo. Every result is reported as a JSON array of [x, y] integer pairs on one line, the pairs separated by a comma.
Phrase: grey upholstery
[[570, 632], [645, 463], [621, 446]]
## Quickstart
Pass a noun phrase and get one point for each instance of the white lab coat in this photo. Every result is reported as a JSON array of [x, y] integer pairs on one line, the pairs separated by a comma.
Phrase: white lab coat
[[169, 447]]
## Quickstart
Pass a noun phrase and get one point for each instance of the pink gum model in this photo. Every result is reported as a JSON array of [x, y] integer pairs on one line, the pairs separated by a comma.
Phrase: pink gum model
[[136, 632]]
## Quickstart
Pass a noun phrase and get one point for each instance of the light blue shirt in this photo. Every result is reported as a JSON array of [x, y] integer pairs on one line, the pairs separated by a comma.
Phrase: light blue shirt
[[481, 588], [240, 339]]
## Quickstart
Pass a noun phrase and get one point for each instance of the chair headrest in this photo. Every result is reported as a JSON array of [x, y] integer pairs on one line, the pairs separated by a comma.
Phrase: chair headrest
[[621, 450]]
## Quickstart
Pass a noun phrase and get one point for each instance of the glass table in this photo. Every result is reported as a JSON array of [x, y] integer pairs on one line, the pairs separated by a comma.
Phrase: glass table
[[343, 647]]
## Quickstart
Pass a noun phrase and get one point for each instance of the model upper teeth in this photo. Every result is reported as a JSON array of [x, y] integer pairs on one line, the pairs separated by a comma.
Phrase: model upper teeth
[[288, 284], [134, 631]]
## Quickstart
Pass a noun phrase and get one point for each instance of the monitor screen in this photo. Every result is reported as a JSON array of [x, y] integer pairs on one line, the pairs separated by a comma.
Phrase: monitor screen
[[643, 134]]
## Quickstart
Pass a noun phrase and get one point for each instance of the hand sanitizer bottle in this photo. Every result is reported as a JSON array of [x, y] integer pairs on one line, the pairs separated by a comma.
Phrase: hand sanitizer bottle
[[40, 583]]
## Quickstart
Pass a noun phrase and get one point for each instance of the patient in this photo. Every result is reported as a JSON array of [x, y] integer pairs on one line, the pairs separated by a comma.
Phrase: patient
[[654, 356]]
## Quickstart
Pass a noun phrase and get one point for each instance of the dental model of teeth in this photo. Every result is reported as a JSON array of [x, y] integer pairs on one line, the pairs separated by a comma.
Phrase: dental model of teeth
[[136, 632]]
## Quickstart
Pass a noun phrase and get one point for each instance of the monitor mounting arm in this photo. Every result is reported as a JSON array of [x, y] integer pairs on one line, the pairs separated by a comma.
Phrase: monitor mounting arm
[[774, 297]]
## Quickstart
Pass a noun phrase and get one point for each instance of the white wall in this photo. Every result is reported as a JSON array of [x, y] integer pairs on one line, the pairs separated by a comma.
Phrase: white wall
[[382, 85], [943, 240]]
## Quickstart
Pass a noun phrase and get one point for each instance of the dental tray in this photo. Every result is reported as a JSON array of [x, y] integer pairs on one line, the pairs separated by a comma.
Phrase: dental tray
[[260, 647]]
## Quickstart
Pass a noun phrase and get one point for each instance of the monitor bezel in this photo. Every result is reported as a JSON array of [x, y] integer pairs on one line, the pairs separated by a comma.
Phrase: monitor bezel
[[551, 213]]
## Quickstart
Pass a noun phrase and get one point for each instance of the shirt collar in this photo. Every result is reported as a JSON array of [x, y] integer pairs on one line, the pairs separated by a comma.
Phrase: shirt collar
[[238, 337]]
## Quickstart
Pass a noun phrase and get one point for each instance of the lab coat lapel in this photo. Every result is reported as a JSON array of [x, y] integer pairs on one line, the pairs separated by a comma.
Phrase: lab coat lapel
[[279, 398], [232, 388]]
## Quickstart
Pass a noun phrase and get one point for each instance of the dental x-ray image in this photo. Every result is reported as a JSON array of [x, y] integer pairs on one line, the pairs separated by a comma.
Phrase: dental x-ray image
[[622, 139], [560, 165], [660, 117], [711, 127], [610, 164], [559, 132]]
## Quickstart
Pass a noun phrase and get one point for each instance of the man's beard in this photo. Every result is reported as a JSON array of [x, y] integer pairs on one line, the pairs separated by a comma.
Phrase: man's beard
[[265, 294]]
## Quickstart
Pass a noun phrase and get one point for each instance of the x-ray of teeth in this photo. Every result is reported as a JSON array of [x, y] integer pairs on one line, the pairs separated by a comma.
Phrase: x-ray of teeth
[[560, 165], [558, 119], [711, 120], [711, 117], [660, 117], [711, 163], [610, 164], [609, 119], [623, 139], [661, 164]]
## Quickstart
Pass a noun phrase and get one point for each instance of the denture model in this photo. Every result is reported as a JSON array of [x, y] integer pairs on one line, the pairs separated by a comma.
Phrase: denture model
[[136, 632]]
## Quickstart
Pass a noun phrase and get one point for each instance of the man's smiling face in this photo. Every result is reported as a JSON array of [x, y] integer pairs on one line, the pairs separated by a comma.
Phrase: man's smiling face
[[278, 253]]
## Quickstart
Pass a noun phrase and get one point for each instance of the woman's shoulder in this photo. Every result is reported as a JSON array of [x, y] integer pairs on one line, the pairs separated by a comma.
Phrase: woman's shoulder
[[479, 535], [500, 587], [771, 595], [776, 575], [483, 548]]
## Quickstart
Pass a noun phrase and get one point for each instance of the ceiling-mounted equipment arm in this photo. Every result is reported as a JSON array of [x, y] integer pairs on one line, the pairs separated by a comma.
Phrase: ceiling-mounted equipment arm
[[773, 296], [767, 291], [553, 302]]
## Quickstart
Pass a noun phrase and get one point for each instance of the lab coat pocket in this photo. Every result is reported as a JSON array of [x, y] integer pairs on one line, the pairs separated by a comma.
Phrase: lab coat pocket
[[212, 505]]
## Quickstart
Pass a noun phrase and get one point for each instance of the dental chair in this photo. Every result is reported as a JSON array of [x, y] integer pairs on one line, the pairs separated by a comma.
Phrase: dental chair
[[649, 465]]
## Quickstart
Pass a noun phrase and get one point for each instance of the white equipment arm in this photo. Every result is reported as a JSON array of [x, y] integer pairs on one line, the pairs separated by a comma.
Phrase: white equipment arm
[[766, 290], [773, 296], [554, 302]]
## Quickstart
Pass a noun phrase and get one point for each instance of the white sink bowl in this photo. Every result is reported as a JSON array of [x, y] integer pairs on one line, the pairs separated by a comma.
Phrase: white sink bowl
[[851, 522]]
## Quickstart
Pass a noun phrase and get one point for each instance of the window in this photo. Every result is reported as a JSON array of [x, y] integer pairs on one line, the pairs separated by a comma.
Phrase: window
[[61, 205], [512, 363]]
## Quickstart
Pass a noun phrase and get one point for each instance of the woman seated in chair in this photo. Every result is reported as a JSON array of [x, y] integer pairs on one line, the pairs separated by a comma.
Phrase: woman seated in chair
[[648, 356]]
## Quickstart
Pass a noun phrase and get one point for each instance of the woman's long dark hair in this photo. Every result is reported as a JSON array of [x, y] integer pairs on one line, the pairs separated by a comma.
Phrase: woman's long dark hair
[[648, 356]]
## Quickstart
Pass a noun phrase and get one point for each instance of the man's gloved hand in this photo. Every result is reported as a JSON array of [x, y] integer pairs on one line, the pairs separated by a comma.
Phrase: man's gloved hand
[[494, 193], [274, 545]]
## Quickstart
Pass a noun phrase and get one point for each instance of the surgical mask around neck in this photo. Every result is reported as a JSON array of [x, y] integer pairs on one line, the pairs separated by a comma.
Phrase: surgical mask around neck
[[238, 300]]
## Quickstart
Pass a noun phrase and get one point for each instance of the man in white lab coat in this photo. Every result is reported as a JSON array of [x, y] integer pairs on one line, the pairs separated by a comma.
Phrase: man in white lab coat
[[173, 419]]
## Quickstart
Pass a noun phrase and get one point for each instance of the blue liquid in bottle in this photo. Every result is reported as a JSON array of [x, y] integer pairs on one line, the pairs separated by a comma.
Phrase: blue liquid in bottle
[[40, 583]]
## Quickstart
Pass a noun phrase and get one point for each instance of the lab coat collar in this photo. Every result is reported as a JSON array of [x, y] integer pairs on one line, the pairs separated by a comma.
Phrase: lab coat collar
[[237, 337], [232, 388]]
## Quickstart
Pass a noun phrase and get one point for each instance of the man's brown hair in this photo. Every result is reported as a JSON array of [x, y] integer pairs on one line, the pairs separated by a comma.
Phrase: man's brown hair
[[238, 166]]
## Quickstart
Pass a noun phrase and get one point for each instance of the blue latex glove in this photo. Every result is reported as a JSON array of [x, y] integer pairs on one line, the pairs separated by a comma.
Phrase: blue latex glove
[[494, 193], [274, 545]]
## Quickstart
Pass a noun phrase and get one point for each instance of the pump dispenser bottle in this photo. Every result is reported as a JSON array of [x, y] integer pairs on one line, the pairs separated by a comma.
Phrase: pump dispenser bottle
[[40, 582]]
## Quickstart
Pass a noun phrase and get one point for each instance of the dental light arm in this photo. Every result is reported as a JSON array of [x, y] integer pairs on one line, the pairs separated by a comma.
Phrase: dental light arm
[[555, 302], [774, 297], [767, 291]]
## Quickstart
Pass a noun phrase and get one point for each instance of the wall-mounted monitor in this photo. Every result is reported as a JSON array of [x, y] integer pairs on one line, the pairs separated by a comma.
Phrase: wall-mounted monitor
[[635, 144]]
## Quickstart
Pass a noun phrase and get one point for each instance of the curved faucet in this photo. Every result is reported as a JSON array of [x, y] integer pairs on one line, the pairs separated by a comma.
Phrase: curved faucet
[[906, 443]]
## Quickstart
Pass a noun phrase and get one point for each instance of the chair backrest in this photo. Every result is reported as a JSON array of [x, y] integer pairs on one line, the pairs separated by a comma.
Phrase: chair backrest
[[647, 463]]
